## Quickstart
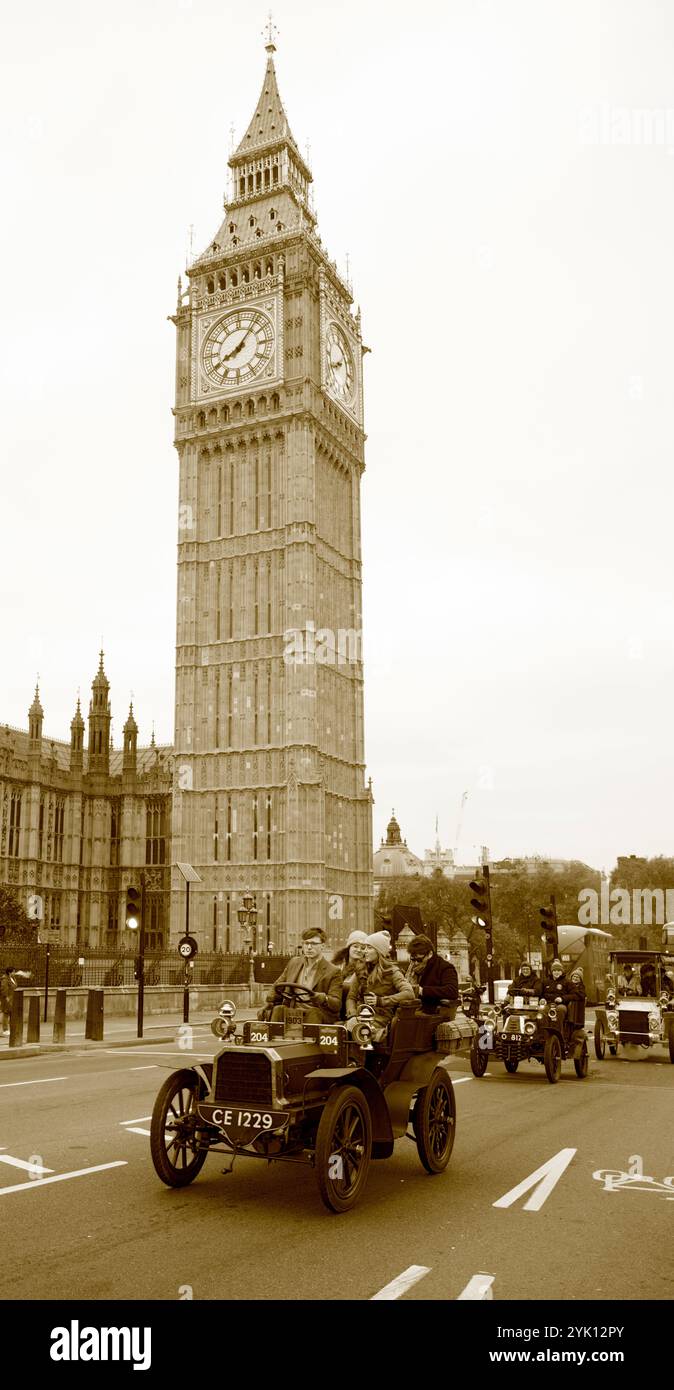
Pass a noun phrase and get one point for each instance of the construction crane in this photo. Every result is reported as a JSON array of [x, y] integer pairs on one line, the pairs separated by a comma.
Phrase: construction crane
[[459, 822]]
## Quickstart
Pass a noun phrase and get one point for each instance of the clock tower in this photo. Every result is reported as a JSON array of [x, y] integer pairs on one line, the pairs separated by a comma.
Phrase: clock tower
[[270, 795]]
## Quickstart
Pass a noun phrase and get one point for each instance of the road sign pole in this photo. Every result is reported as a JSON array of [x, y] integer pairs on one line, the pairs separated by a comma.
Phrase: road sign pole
[[490, 939], [141, 957]]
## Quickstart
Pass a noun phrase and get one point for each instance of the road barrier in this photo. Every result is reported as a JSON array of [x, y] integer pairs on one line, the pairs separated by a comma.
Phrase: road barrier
[[94, 1025], [59, 1035], [33, 1033]]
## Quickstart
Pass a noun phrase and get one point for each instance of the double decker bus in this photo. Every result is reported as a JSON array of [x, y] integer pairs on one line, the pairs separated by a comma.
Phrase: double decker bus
[[587, 948]]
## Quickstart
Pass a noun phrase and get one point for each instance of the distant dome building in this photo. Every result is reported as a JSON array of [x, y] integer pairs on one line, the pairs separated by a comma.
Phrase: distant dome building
[[393, 859]]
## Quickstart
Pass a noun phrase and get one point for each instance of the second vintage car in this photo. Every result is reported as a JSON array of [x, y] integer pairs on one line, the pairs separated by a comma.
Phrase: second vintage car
[[639, 1007]]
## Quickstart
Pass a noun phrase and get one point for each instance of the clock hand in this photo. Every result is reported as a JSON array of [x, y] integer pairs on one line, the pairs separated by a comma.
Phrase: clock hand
[[235, 350]]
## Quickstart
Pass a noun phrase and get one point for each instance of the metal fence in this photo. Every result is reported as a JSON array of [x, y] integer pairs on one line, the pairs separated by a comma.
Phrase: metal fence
[[70, 966]]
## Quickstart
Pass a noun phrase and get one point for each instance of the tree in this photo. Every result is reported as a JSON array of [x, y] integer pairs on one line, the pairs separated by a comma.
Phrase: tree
[[15, 924]]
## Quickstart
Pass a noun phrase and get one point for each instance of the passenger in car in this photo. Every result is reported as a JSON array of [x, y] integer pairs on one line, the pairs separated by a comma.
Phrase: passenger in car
[[382, 986], [554, 989], [350, 961], [648, 979], [526, 979], [431, 976]]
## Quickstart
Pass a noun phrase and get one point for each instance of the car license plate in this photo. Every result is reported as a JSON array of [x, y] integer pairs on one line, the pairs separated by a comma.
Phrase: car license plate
[[243, 1126]]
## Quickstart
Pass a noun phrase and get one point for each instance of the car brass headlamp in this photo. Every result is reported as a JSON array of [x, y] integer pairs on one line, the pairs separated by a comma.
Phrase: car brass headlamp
[[224, 1024], [362, 1030], [530, 1026], [552, 1012], [610, 996]]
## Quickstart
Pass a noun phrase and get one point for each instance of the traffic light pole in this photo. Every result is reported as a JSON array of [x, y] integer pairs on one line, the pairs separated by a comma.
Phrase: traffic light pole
[[141, 957], [490, 940], [186, 976]]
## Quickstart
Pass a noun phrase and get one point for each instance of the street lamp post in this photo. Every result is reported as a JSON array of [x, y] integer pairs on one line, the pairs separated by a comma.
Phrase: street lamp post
[[247, 915]]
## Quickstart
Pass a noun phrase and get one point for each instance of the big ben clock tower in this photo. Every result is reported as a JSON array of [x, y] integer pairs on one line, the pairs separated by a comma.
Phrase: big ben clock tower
[[270, 794]]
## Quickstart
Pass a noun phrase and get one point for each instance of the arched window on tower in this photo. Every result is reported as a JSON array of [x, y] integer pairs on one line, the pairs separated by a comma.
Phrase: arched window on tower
[[258, 180], [266, 178], [222, 282], [274, 174], [245, 275], [210, 286], [234, 279], [269, 268], [251, 407], [201, 420]]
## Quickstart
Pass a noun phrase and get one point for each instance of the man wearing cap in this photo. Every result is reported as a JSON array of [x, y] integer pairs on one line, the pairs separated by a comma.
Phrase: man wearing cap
[[313, 972], [432, 978]]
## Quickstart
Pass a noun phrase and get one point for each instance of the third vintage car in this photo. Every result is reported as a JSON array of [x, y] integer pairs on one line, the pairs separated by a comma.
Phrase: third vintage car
[[639, 1005], [527, 1029]]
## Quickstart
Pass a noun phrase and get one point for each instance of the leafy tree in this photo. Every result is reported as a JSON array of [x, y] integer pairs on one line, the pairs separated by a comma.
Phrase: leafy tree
[[15, 925]]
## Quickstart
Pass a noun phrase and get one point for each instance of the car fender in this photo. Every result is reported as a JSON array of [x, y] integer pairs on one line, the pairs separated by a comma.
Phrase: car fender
[[382, 1131]]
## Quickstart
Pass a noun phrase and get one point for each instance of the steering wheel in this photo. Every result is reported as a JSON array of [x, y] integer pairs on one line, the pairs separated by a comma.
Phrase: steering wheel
[[295, 994]]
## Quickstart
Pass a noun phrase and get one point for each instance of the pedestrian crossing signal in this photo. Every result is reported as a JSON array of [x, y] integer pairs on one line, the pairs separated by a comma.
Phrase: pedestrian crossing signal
[[133, 908]]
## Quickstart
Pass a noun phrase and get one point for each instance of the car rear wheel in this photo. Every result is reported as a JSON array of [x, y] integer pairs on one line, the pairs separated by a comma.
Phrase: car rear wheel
[[552, 1059], [671, 1041], [599, 1041], [173, 1129], [479, 1056], [511, 1064], [434, 1123], [343, 1147], [581, 1063]]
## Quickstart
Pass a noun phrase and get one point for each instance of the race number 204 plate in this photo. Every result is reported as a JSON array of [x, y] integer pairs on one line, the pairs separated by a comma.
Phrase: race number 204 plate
[[242, 1126]]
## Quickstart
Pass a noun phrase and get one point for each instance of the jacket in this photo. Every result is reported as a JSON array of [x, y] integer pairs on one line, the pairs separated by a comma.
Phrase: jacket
[[387, 982], [328, 981], [532, 982], [438, 980]]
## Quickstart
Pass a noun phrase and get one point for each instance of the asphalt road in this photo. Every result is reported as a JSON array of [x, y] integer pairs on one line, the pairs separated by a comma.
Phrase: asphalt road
[[111, 1230]]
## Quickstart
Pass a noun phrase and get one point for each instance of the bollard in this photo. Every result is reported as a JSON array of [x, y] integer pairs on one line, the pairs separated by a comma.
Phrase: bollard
[[16, 1020], [33, 1033], [60, 1017], [94, 1028]]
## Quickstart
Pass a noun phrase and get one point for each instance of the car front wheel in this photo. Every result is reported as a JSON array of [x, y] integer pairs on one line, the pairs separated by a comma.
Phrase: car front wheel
[[599, 1041], [581, 1063], [343, 1147], [434, 1123], [173, 1129], [479, 1057], [552, 1059]]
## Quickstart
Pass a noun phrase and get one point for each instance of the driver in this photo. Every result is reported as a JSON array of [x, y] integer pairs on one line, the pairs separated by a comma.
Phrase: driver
[[311, 971], [526, 979]]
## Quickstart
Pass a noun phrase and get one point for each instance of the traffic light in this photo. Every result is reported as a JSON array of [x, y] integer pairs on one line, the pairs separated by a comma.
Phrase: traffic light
[[549, 936], [481, 901], [133, 908]]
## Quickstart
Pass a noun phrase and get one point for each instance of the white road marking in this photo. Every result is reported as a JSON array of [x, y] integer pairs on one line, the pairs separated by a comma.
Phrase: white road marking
[[42, 1082], [151, 1066], [139, 1121], [21, 1163], [186, 1056], [62, 1177], [133, 1129], [456, 1080], [543, 1181], [478, 1289], [399, 1286]]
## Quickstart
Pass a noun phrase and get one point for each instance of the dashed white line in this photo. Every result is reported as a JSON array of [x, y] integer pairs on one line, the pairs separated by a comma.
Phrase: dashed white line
[[404, 1281], [151, 1066], [41, 1082], [21, 1163], [478, 1289], [62, 1177]]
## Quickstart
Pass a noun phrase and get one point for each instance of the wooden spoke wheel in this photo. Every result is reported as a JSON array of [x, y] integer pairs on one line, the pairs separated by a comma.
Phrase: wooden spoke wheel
[[600, 1041], [434, 1122], [581, 1063], [552, 1058], [173, 1129], [343, 1148], [479, 1057]]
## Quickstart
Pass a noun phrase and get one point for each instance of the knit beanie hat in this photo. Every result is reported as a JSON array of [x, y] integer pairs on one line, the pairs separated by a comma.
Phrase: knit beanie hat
[[357, 938], [557, 965], [380, 941], [420, 946]]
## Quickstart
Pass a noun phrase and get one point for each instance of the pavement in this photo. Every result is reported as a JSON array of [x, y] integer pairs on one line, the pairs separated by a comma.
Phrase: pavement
[[118, 1032]]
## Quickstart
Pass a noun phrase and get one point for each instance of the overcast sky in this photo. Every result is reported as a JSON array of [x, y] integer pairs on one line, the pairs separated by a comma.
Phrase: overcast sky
[[501, 174]]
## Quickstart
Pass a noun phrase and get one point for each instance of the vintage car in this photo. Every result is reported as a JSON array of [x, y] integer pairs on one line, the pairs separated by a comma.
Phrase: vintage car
[[527, 1029], [639, 1005], [314, 1093]]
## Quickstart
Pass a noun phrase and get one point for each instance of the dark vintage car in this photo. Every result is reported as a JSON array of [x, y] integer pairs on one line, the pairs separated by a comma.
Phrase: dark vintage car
[[639, 1005], [313, 1093], [527, 1029]]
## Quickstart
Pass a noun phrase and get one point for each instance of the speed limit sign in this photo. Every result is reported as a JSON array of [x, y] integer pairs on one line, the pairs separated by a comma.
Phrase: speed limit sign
[[187, 947]]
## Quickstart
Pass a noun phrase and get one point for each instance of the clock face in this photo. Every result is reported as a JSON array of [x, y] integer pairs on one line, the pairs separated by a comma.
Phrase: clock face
[[339, 370], [238, 347]]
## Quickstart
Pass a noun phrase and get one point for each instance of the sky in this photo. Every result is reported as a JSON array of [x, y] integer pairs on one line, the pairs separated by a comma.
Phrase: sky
[[500, 174]]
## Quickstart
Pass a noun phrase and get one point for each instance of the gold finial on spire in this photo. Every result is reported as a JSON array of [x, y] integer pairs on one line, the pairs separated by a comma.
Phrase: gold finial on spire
[[269, 32]]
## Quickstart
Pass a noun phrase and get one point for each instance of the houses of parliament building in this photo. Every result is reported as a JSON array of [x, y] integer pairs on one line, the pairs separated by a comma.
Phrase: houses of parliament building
[[264, 789]]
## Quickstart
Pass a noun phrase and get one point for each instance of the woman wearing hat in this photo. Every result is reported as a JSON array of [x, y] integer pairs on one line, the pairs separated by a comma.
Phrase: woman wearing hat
[[350, 961], [381, 985]]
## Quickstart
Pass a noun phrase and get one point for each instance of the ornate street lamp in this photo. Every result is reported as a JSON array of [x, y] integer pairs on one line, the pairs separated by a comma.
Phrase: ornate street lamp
[[247, 915]]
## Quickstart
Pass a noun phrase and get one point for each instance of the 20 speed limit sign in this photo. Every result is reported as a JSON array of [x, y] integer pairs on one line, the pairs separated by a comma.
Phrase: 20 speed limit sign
[[187, 947]]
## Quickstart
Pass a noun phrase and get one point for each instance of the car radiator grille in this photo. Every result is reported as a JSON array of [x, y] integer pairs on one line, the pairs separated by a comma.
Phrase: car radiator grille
[[243, 1076], [634, 1022]]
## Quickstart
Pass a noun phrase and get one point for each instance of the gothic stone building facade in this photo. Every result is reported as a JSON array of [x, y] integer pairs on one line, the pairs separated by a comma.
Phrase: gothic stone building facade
[[76, 826], [269, 787]]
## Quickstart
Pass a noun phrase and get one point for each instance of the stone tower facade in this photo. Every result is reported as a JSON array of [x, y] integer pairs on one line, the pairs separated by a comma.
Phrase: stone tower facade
[[269, 790]]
